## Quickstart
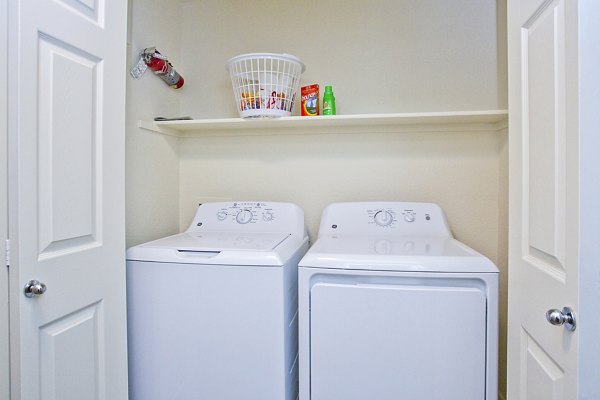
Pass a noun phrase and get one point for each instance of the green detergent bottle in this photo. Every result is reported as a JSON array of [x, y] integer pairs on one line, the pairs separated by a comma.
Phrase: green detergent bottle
[[328, 101]]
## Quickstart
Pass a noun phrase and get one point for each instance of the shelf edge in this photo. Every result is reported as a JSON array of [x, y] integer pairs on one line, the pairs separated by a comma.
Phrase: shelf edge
[[153, 127], [491, 120]]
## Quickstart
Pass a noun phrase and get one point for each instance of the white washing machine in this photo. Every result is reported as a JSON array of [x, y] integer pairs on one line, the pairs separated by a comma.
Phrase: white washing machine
[[391, 307], [212, 312]]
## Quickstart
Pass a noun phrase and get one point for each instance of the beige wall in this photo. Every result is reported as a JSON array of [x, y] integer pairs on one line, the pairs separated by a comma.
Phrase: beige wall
[[460, 171], [381, 56], [152, 163], [503, 194]]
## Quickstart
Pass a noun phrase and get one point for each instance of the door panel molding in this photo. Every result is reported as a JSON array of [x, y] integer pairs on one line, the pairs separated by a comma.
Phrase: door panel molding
[[546, 263], [91, 9], [544, 154], [69, 148], [79, 333], [539, 366]]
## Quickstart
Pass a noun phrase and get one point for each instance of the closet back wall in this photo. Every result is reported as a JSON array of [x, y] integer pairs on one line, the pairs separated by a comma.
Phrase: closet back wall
[[380, 56], [460, 171]]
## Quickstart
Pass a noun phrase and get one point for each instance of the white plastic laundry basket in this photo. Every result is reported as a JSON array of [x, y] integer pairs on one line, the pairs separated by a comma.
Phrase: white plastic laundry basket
[[265, 84]]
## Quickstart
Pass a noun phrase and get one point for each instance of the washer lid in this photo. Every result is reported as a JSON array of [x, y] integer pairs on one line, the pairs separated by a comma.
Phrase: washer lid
[[396, 253], [259, 248], [222, 241]]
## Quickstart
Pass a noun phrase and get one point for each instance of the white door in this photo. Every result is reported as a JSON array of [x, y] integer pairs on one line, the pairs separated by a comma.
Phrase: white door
[[544, 198], [66, 198]]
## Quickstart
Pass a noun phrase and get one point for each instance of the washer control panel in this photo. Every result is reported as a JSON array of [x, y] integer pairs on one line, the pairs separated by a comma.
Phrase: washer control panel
[[253, 216], [246, 213], [394, 218]]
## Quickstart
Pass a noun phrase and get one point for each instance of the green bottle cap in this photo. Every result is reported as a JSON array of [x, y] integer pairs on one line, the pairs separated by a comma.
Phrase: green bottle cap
[[328, 89]]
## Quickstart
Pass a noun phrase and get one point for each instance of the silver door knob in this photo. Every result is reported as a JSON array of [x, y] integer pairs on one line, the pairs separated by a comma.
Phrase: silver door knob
[[34, 288], [565, 317]]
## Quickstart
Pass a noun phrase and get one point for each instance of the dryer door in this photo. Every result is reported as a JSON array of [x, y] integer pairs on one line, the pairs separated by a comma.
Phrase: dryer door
[[407, 339]]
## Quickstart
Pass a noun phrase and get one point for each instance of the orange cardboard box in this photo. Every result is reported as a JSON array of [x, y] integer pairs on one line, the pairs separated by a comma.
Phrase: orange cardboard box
[[310, 100]]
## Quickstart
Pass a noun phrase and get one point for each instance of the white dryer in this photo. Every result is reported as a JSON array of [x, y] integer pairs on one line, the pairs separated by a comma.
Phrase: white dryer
[[391, 307], [212, 312]]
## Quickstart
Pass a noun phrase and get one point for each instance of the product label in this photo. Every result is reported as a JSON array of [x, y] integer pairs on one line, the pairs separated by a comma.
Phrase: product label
[[310, 100], [171, 77], [138, 70]]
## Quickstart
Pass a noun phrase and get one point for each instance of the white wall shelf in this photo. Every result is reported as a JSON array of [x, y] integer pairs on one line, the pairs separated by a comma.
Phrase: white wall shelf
[[455, 121]]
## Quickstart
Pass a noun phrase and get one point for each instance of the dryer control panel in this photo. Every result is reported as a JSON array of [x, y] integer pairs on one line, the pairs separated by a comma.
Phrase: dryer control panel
[[384, 218], [248, 216]]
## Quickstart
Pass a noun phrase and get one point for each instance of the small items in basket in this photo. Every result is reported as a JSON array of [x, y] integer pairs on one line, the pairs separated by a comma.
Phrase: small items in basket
[[250, 101]]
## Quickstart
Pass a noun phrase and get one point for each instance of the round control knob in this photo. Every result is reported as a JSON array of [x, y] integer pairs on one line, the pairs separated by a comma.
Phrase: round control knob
[[267, 216], [409, 217], [244, 216], [383, 218], [221, 215]]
